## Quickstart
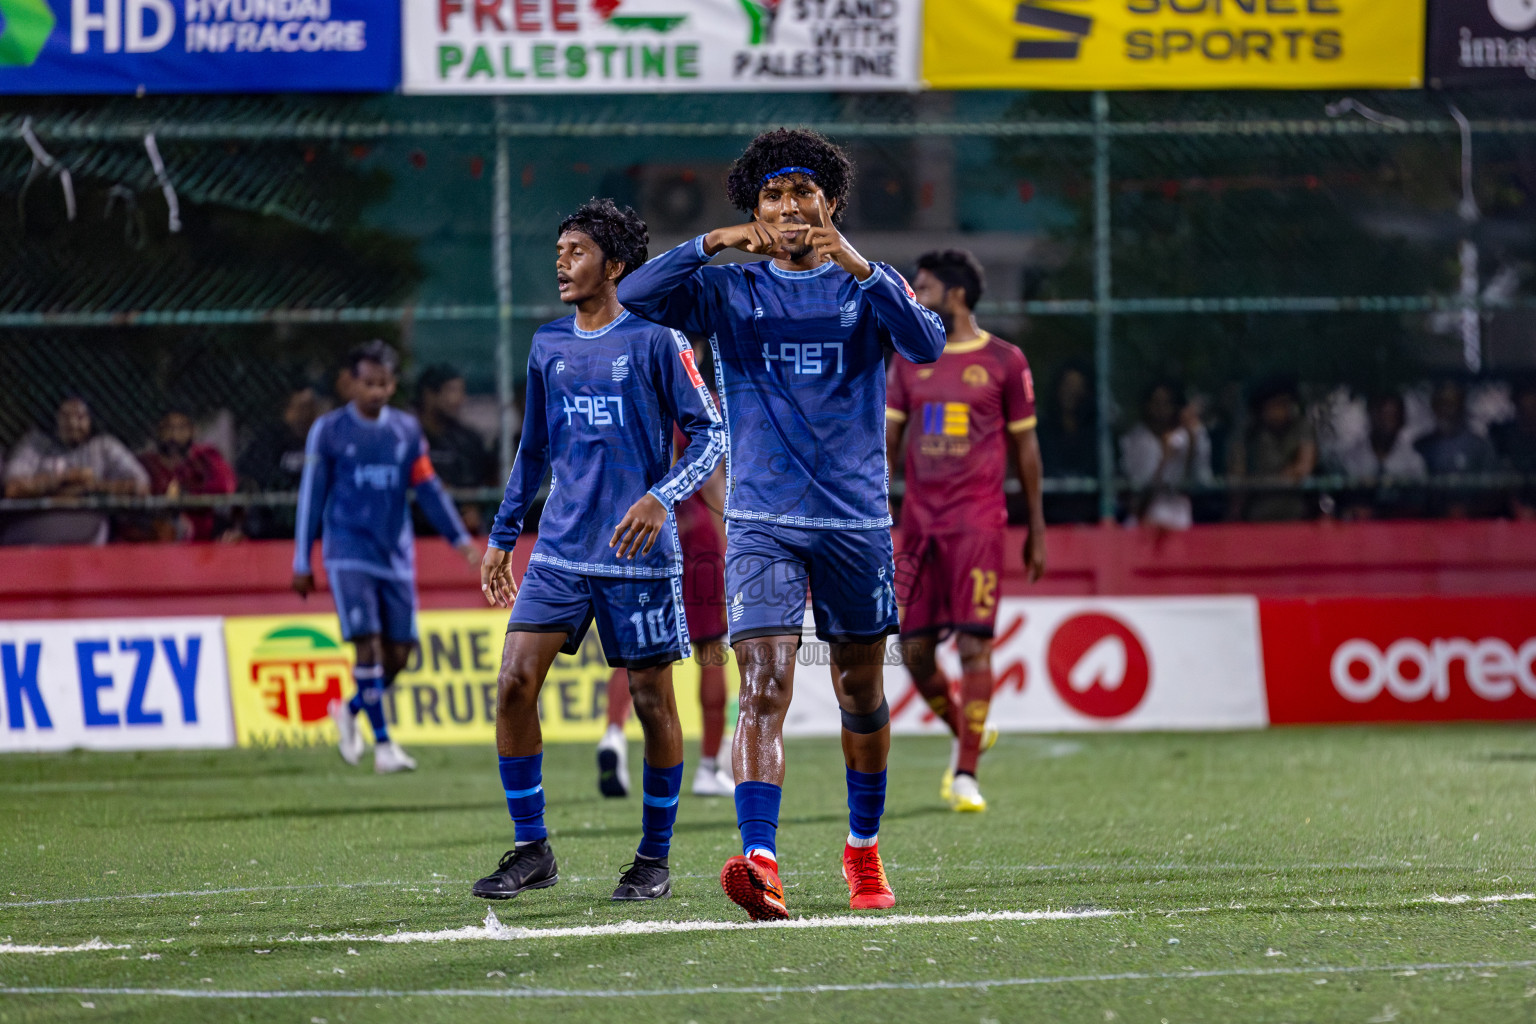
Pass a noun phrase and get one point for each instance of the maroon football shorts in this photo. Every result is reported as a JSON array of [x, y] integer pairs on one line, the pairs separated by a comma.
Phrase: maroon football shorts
[[949, 583]]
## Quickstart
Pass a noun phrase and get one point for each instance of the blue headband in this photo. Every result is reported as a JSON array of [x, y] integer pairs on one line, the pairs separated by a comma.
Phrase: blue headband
[[783, 171]]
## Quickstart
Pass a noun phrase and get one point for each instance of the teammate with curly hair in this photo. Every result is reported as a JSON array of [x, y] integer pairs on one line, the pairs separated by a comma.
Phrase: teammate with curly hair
[[798, 342], [604, 388]]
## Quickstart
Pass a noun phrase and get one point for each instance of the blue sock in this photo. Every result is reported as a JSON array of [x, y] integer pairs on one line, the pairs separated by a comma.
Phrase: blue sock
[[757, 815], [523, 780], [866, 802], [661, 788], [370, 698]]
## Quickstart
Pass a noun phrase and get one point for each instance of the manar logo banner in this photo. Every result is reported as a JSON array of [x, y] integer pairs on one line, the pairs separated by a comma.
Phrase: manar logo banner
[[1173, 44], [284, 671], [160, 46], [490, 46]]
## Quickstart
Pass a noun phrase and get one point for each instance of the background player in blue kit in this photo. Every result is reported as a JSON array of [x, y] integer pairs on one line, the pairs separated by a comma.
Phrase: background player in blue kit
[[604, 390], [799, 345], [360, 463]]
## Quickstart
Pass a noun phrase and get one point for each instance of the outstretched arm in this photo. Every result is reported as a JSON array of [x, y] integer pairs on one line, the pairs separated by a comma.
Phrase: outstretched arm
[[668, 289]]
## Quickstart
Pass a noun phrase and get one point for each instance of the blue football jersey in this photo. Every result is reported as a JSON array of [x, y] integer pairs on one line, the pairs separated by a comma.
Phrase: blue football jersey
[[799, 362], [358, 474], [599, 414]]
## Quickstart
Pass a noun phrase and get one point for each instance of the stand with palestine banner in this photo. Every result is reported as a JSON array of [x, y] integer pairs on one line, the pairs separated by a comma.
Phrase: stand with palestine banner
[[1061, 665]]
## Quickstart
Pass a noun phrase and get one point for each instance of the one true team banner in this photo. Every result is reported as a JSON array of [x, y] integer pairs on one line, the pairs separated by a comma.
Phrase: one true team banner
[[204, 46], [1061, 665], [474, 46]]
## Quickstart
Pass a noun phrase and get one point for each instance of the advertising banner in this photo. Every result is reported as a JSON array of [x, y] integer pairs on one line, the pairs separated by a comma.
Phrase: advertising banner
[[114, 684], [1423, 659], [285, 670], [1082, 664], [1481, 42], [515, 46], [167, 46], [1173, 44]]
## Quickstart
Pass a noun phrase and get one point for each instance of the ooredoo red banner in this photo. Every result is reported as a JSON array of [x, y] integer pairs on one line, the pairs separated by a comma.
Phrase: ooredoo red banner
[[1382, 659]]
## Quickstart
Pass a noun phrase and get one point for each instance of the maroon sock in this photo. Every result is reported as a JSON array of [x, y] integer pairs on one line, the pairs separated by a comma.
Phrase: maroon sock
[[936, 691], [975, 698]]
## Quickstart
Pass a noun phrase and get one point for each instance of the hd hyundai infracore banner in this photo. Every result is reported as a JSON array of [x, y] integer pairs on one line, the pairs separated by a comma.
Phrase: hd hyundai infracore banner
[[205, 46]]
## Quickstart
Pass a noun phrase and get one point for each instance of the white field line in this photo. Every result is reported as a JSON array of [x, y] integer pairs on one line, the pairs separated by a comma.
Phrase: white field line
[[494, 930], [1320, 970], [491, 929], [85, 947], [930, 869]]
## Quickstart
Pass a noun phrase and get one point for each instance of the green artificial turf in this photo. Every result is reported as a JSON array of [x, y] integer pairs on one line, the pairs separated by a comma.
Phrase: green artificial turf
[[1288, 875]]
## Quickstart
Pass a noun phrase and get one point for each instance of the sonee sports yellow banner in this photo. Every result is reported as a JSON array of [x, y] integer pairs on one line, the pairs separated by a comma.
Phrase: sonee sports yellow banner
[[284, 670], [1173, 44]]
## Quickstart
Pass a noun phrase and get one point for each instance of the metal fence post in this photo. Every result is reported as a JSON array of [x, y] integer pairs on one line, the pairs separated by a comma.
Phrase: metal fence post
[[501, 244], [1102, 315]]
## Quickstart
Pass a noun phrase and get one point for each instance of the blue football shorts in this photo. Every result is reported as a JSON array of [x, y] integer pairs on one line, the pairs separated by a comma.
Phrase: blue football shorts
[[641, 622], [369, 604], [850, 575]]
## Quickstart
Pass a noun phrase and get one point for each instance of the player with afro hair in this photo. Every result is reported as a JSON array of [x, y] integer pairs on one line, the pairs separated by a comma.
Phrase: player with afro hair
[[787, 151], [799, 343]]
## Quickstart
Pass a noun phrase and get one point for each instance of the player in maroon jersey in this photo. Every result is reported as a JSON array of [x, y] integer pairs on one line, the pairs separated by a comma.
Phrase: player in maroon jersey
[[701, 536], [963, 415]]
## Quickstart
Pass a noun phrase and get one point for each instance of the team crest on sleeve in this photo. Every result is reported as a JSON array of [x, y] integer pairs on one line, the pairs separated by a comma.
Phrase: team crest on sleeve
[[621, 368], [975, 376], [1029, 384], [691, 365]]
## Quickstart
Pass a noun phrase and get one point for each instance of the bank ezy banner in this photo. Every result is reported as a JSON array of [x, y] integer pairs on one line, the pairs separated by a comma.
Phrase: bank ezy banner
[[1481, 42], [1174, 44], [513, 46], [114, 684], [175, 46]]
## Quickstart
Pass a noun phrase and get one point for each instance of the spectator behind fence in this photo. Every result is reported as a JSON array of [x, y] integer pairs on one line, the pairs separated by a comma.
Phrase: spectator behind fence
[[274, 461], [458, 453], [178, 465], [1386, 451], [1279, 448], [72, 462], [1169, 449], [1069, 444], [1515, 444], [1453, 449]]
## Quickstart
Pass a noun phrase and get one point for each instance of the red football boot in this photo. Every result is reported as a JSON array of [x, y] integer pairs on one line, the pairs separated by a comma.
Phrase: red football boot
[[752, 883], [865, 875]]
